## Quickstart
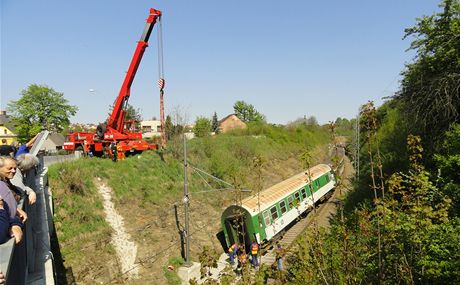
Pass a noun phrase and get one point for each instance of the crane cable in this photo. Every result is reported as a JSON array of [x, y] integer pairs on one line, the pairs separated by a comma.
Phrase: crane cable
[[160, 55]]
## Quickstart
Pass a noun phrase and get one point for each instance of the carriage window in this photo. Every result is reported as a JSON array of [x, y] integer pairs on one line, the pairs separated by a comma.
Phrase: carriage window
[[290, 199], [274, 213], [327, 178], [304, 193], [283, 207], [297, 196], [266, 218]]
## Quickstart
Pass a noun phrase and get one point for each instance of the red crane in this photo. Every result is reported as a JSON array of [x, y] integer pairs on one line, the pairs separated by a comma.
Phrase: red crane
[[115, 129]]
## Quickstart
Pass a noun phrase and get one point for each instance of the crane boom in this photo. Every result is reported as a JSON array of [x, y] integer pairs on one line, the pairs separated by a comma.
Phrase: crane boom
[[117, 118]]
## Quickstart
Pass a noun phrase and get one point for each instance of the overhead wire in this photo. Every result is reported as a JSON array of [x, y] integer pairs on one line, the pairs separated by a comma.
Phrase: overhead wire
[[160, 49]]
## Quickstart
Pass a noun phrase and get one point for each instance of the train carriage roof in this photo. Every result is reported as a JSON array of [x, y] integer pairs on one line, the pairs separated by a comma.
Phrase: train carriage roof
[[273, 194]]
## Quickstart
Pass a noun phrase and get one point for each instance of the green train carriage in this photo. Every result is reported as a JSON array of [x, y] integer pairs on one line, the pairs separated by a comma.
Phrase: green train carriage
[[262, 217]]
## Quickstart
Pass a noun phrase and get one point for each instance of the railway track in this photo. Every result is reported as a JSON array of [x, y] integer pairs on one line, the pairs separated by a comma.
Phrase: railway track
[[268, 254]]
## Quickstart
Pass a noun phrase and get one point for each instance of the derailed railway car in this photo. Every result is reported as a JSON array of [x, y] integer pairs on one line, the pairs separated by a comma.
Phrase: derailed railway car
[[264, 216]]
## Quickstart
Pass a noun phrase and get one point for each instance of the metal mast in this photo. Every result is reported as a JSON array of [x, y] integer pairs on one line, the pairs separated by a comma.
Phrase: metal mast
[[186, 201]]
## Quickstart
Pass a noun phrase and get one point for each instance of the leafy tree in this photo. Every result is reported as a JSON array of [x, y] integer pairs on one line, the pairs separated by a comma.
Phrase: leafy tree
[[202, 127], [247, 113], [208, 259], [40, 108], [132, 113], [430, 85], [420, 242], [169, 128], [449, 164], [215, 123], [311, 121], [417, 223]]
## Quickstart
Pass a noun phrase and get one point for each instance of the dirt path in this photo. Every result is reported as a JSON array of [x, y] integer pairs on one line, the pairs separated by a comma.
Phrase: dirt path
[[126, 249], [330, 207]]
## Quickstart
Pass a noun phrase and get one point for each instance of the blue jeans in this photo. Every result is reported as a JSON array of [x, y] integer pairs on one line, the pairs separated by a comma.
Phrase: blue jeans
[[280, 264], [255, 260]]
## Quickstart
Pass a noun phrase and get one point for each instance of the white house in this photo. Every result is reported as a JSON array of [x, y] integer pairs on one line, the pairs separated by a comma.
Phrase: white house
[[53, 143], [151, 128]]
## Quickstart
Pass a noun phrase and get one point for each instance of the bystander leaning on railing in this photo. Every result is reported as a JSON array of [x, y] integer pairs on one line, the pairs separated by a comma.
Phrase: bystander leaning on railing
[[10, 198]]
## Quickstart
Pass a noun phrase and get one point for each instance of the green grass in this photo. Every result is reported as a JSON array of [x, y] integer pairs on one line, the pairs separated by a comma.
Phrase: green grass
[[171, 276]]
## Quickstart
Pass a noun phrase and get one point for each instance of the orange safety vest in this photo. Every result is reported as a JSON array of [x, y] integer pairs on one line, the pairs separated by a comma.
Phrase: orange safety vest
[[254, 248], [242, 258]]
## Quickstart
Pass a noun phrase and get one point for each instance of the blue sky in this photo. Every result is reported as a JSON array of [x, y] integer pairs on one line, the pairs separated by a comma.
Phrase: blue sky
[[287, 58]]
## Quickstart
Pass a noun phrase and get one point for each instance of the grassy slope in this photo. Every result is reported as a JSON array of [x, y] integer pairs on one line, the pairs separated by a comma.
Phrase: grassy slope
[[146, 190]]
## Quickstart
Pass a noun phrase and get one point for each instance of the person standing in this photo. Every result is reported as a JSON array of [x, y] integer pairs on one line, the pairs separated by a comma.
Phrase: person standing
[[8, 226], [85, 148], [7, 150], [255, 254], [25, 162], [25, 148], [7, 192], [242, 259], [279, 253], [113, 149], [121, 153], [232, 252]]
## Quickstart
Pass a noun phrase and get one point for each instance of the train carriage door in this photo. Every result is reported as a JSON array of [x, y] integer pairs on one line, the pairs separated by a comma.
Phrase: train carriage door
[[237, 230], [231, 230]]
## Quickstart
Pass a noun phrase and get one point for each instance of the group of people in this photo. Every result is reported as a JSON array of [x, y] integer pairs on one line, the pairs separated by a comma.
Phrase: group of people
[[237, 251], [13, 167], [116, 152]]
